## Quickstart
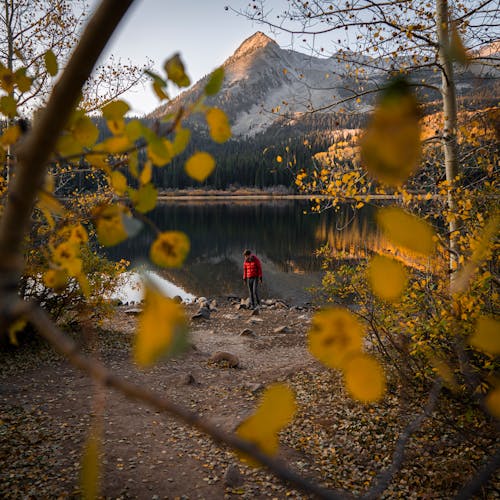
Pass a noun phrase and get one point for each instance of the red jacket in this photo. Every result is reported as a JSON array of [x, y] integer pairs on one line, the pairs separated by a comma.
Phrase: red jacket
[[252, 268]]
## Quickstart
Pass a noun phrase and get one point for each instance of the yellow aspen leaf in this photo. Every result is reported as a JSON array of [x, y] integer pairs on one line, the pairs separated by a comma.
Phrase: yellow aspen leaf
[[162, 328], [51, 63], [8, 106], [67, 145], [218, 125], [146, 173], [159, 90], [116, 144], [15, 328], [90, 466], [55, 279], [84, 284], [133, 163], [170, 249], [458, 52], [492, 402], [134, 130], [176, 72], [78, 235], [335, 334], [486, 336], [116, 127], [67, 256], [160, 152], [254, 431], [47, 201], [200, 165], [23, 82], [10, 135], [99, 161], [182, 138], [145, 198], [85, 132], [407, 230], [7, 79], [115, 110], [364, 378], [275, 411], [279, 159], [390, 146], [388, 277], [118, 182], [109, 224], [215, 81]]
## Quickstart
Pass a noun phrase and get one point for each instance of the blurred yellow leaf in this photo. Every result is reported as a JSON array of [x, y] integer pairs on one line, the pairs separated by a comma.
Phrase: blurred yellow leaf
[[364, 378], [145, 198], [115, 144], [51, 63], [407, 230], [55, 279], [85, 132], [215, 81], [146, 173], [115, 111], [182, 137], [388, 277], [134, 130], [160, 151], [458, 52], [175, 71], [10, 135], [99, 161], [90, 467], [67, 145], [23, 82], [109, 224], [218, 125], [276, 410], [170, 249], [335, 334], [15, 328], [118, 182], [486, 336], [200, 166], [390, 146], [162, 327], [159, 91], [8, 106], [492, 402]]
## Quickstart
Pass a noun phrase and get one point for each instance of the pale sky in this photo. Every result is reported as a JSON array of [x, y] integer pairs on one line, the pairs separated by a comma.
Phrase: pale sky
[[202, 31]]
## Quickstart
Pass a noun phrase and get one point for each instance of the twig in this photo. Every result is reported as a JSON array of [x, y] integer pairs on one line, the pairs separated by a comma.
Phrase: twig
[[98, 372], [481, 478], [385, 477]]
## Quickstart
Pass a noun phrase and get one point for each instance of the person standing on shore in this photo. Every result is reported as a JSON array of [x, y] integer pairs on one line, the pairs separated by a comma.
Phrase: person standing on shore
[[252, 275]]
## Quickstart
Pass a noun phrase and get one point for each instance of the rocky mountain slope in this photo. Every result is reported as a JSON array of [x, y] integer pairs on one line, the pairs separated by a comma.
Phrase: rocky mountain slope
[[264, 82]]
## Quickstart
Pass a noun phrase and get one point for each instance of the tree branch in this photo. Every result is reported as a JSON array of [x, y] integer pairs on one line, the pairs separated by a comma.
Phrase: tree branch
[[98, 372]]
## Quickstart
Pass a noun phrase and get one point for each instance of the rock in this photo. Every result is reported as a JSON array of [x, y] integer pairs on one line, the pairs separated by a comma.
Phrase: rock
[[248, 333], [203, 313], [282, 329], [245, 303], [253, 387], [213, 305], [133, 311], [225, 358], [177, 299], [256, 312], [253, 321], [233, 477], [187, 379]]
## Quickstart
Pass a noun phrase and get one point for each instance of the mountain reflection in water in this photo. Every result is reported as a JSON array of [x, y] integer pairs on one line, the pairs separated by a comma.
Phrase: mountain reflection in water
[[278, 231]]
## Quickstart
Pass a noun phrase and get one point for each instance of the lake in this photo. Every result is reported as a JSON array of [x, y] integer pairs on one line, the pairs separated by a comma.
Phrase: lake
[[278, 231]]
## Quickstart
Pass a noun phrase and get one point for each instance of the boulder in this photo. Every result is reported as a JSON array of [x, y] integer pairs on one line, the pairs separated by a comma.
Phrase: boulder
[[256, 312], [133, 311], [177, 299], [233, 477], [203, 313], [282, 329], [248, 333], [187, 379], [225, 359]]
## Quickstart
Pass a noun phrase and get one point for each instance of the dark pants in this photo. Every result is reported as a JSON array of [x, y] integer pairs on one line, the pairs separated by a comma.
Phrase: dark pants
[[252, 289]]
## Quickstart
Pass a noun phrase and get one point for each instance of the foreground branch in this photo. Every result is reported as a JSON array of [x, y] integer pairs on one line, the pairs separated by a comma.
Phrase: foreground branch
[[98, 372]]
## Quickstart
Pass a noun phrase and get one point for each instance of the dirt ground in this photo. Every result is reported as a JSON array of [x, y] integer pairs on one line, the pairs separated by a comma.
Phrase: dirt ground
[[46, 409]]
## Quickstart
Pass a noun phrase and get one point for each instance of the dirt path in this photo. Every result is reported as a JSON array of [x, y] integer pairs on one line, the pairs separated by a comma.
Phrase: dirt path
[[46, 406], [146, 455]]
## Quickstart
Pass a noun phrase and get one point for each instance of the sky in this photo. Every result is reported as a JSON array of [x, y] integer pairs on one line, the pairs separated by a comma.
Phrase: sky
[[202, 31]]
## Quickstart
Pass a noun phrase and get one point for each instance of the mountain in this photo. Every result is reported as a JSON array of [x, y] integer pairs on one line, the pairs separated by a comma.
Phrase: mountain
[[261, 77], [265, 83]]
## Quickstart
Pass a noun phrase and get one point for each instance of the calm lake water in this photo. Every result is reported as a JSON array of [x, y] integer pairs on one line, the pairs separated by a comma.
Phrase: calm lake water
[[283, 237]]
